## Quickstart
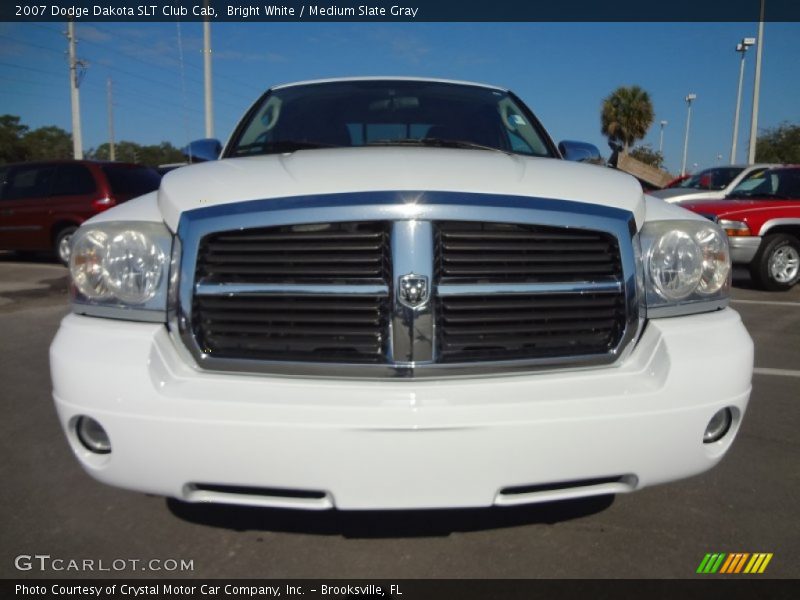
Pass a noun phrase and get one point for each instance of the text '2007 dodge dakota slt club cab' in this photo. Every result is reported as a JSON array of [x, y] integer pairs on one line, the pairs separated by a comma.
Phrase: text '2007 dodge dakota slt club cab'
[[395, 293]]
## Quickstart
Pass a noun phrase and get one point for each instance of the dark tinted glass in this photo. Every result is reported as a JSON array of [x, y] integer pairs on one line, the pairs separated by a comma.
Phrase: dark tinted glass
[[73, 180], [788, 185], [712, 179], [28, 182], [131, 180], [3, 177], [389, 112]]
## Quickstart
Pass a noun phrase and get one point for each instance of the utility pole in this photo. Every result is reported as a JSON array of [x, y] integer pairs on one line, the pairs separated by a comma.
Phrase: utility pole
[[207, 73], [742, 49], [751, 155], [689, 100], [77, 140], [111, 153], [661, 139]]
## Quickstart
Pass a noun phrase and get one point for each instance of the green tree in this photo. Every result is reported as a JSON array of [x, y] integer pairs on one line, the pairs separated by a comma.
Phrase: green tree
[[47, 143], [12, 132], [648, 156], [626, 115], [780, 144], [153, 155]]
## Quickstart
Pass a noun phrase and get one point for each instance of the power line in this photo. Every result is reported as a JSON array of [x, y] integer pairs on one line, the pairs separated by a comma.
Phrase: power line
[[116, 69]]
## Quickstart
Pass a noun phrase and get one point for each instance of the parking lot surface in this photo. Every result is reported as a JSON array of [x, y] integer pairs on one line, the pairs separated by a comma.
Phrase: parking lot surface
[[749, 503]]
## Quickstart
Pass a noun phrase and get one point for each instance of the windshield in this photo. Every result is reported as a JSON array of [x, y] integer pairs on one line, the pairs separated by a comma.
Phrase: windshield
[[782, 184], [711, 179], [367, 113]]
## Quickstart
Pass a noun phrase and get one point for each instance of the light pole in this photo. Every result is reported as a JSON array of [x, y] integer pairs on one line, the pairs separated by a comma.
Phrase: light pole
[[689, 100], [661, 139], [742, 49], [751, 154]]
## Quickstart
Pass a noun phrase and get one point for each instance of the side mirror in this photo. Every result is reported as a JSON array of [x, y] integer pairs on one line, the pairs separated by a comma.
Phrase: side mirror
[[580, 152], [202, 150]]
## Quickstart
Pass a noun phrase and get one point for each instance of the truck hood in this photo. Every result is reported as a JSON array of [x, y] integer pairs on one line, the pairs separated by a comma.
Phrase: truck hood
[[337, 170]]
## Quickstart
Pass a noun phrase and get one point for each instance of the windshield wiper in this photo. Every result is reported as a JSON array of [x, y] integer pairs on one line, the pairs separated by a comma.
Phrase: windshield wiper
[[278, 147], [436, 143]]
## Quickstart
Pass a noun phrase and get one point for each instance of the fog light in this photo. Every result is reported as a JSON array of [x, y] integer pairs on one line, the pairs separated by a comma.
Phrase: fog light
[[718, 426], [93, 436]]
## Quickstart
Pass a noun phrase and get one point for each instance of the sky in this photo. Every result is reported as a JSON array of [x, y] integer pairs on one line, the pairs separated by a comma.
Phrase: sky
[[562, 71]]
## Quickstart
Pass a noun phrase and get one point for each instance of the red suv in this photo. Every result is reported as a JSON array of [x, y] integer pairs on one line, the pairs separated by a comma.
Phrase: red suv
[[43, 203], [762, 219]]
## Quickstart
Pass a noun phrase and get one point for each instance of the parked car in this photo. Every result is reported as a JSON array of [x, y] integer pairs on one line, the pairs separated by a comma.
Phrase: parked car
[[714, 183], [762, 219], [677, 181], [43, 203], [395, 293]]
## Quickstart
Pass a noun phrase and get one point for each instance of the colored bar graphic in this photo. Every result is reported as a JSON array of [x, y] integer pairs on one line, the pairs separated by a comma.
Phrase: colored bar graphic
[[755, 562], [703, 563], [715, 567], [741, 562], [727, 564], [767, 558], [720, 562]]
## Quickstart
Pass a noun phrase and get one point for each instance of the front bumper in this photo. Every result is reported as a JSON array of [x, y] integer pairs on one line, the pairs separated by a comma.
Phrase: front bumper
[[368, 444], [743, 249]]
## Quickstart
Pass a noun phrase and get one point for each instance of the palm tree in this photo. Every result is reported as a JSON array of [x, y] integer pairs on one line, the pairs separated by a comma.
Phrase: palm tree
[[626, 115]]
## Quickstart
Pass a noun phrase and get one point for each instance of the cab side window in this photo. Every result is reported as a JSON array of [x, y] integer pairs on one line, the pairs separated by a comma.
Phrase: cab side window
[[73, 180], [3, 176], [27, 182]]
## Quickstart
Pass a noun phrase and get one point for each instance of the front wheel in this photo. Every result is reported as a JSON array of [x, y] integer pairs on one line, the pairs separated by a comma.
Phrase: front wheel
[[62, 243], [776, 266]]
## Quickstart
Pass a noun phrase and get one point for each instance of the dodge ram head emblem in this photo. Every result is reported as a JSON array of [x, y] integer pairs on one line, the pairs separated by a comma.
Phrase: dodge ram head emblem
[[413, 290]]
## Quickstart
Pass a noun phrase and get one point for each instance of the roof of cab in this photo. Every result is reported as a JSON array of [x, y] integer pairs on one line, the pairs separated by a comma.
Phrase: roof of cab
[[422, 79]]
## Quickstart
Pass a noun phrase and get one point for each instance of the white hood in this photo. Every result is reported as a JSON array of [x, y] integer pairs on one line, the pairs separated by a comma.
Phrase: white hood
[[391, 168]]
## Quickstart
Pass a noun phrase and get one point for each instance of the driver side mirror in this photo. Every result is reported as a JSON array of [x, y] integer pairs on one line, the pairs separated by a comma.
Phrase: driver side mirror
[[580, 152], [202, 150]]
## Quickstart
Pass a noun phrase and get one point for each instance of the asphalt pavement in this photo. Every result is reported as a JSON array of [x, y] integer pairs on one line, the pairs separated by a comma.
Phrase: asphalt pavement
[[749, 503]]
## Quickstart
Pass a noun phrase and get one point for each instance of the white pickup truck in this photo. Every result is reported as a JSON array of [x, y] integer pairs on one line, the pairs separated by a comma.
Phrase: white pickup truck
[[396, 293]]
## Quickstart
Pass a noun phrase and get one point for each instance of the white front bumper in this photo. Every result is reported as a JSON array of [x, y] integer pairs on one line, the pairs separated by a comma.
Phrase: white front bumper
[[400, 444]]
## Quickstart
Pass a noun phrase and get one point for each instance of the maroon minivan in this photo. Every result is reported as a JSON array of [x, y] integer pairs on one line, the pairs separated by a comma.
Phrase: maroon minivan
[[43, 203]]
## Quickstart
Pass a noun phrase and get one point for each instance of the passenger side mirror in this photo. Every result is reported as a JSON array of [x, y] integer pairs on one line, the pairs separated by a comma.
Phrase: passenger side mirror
[[580, 152], [202, 150]]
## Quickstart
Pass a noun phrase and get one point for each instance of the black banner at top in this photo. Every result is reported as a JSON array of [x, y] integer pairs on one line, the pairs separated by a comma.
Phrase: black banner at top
[[398, 10]]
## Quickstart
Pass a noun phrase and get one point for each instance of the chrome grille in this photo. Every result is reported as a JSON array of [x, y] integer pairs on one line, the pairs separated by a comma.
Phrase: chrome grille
[[293, 327], [521, 326], [264, 289], [490, 325], [253, 300], [470, 252], [325, 252]]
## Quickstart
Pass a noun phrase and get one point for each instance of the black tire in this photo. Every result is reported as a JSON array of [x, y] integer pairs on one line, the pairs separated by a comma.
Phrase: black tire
[[775, 266], [61, 243]]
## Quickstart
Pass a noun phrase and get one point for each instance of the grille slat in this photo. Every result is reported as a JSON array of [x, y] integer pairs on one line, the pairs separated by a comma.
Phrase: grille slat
[[527, 273], [368, 318], [524, 258]]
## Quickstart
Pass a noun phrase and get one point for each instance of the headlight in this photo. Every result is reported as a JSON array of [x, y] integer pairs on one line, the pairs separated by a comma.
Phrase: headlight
[[735, 228], [687, 267], [120, 269]]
